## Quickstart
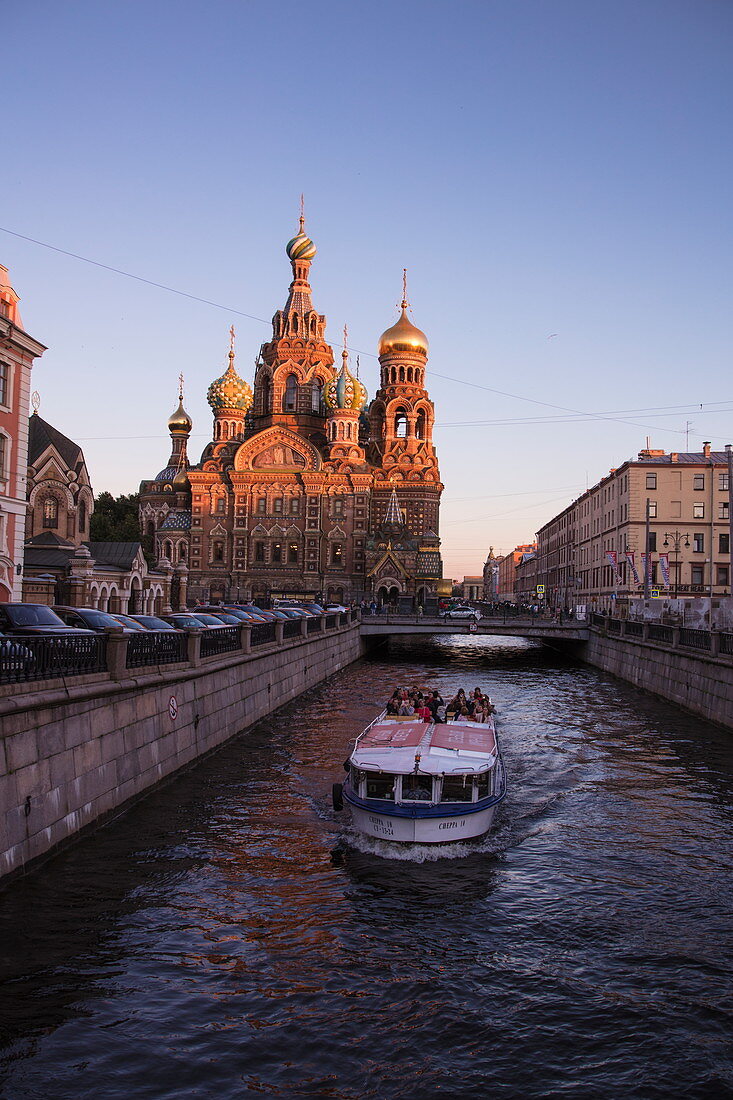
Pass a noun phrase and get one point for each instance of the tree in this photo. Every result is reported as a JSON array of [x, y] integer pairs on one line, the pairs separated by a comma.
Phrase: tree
[[115, 519]]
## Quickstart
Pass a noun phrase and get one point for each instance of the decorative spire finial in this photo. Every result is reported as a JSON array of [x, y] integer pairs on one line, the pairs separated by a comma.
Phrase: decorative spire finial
[[405, 302], [232, 335], [180, 388], [36, 401], [302, 212], [357, 366]]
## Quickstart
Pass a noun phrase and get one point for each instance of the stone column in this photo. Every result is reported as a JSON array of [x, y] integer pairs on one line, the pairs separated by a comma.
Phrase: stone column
[[182, 571], [164, 566], [81, 568]]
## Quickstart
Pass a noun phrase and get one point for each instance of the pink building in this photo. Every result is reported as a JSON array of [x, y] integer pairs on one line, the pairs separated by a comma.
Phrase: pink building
[[17, 352]]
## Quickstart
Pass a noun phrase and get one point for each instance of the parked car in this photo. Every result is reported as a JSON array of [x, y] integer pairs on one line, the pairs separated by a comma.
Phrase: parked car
[[331, 608], [153, 622], [34, 618], [467, 614], [224, 617], [14, 656], [90, 618], [183, 620], [128, 621]]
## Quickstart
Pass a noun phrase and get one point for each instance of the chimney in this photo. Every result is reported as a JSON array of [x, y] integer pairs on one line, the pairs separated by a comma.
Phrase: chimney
[[674, 456], [706, 449]]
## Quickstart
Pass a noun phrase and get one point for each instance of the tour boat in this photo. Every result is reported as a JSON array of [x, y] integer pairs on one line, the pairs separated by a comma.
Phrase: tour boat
[[423, 782]]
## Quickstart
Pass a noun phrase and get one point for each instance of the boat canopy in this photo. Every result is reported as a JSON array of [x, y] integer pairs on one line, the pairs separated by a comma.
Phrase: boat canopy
[[391, 745]]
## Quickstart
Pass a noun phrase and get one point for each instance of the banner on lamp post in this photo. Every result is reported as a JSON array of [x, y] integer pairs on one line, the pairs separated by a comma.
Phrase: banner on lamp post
[[613, 559], [631, 559], [664, 566]]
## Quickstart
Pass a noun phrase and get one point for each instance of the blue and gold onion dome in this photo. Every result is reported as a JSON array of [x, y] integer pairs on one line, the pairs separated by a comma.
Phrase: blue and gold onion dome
[[230, 391], [301, 247], [344, 391], [403, 336]]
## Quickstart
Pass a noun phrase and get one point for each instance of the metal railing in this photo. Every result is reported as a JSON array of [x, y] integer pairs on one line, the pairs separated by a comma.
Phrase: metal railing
[[161, 647], [262, 633], [291, 629], [314, 625], [224, 639], [634, 629], [331, 621], [726, 644], [694, 639], [659, 633], [24, 659]]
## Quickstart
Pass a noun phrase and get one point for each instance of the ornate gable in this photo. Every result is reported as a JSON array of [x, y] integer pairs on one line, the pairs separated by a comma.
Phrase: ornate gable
[[277, 448]]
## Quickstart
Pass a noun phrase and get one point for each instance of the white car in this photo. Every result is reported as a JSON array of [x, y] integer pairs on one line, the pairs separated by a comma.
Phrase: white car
[[467, 614]]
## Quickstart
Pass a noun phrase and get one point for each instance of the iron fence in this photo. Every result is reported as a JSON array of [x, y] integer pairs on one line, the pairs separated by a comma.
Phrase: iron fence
[[659, 633], [694, 639], [614, 626], [726, 644], [24, 659], [161, 647], [291, 629], [634, 630], [314, 625], [262, 633], [220, 639], [331, 621]]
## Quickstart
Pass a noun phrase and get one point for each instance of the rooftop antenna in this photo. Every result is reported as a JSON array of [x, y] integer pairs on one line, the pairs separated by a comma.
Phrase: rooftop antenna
[[688, 425]]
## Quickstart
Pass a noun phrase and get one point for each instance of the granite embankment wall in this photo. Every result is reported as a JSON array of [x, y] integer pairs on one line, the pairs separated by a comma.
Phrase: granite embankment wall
[[73, 752], [699, 682]]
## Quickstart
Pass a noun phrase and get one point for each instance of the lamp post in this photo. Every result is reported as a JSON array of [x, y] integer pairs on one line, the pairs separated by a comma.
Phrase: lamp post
[[676, 537]]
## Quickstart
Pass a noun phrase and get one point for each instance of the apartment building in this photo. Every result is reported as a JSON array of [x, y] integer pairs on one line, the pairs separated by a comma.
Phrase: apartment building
[[668, 512]]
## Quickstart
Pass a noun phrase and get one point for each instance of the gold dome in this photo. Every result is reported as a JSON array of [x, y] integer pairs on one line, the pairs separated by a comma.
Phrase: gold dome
[[403, 336], [180, 421]]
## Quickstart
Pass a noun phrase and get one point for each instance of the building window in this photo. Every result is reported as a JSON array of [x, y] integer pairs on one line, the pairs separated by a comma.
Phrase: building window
[[218, 551], [50, 512], [293, 553], [697, 574], [220, 504], [294, 506], [698, 542], [652, 509], [724, 544], [277, 551], [278, 505], [262, 506], [698, 511], [723, 511], [3, 457], [722, 573], [316, 396], [338, 506], [723, 482], [337, 553], [651, 481], [82, 516], [698, 482], [4, 371], [259, 551], [291, 393]]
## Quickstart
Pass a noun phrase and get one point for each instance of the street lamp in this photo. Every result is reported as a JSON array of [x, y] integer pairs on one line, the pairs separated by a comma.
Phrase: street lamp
[[676, 537]]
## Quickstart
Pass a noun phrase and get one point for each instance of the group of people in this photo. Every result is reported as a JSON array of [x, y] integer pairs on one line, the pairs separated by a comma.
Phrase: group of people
[[430, 706]]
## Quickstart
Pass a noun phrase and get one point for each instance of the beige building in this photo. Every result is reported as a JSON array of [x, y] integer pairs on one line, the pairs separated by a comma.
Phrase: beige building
[[672, 508], [507, 581]]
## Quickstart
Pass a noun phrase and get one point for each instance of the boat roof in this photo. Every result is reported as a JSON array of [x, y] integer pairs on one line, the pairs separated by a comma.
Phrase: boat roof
[[391, 744]]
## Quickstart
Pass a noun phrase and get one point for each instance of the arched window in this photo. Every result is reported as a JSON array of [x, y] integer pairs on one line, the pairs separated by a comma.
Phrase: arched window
[[167, 551], [277, 551], [218, 551], [317, 396], [291, 393], [420, 424], [50, 512], [266, 395], [409, 374], [400, 424], [337, 553], [82, 516], [182, 552]]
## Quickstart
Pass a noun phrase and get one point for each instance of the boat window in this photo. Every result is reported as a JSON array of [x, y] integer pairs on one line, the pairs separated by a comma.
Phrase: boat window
[[356, 777], [457, 788], [417, 788], [483, 783], [380, 786]]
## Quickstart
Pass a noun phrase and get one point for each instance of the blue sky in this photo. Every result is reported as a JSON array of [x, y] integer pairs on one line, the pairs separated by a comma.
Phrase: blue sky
[[555, 176]]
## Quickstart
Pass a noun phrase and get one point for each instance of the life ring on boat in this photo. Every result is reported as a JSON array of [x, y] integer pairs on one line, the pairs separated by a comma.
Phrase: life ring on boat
[[337, 796]]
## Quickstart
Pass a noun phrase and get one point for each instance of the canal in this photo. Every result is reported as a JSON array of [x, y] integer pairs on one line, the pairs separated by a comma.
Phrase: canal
[[228, 937]]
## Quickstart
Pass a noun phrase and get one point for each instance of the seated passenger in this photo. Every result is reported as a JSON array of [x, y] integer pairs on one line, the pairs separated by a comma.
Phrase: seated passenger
[[425, 713], [440, 713]]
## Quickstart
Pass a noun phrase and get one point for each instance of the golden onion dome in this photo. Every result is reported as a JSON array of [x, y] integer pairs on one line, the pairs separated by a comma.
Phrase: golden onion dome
[[344, 391], [403, 336], [180, 421], [180, 481]]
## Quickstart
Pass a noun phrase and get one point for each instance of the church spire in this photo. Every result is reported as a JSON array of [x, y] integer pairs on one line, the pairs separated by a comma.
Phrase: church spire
[[394, 512]]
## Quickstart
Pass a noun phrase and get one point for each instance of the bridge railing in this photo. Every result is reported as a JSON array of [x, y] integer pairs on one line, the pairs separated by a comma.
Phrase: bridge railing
[[714, 643]]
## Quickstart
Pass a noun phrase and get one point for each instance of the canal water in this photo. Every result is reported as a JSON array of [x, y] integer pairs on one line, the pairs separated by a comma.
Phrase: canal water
[[230, 937]]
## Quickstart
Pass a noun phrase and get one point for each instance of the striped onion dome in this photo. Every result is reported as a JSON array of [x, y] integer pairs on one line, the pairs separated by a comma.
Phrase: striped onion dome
[[301, 247], [344, 391]]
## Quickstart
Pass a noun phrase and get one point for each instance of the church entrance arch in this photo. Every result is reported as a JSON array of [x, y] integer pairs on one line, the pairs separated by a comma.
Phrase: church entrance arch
[[335, 595], [388, 595], [216, 593]]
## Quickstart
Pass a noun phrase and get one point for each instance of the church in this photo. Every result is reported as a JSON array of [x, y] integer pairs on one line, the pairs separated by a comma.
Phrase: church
[[306, 489]]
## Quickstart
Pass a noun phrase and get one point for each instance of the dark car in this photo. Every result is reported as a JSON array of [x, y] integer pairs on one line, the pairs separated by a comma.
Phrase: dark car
[[15, 658], [34, 618], [185, 621], [152, 622], [90, 618]]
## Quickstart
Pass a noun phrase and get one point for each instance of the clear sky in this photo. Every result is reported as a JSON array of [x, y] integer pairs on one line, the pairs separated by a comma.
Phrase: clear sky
[[554, 174]]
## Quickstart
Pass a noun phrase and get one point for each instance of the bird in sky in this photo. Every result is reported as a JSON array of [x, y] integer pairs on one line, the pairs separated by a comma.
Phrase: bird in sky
[[553, 335]]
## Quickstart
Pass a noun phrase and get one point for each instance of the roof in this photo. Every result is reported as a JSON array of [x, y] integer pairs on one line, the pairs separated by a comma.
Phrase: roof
[[391, 745], [121, 555], [176, 521], [692, 458], [48, 538], [42, 435], [42, 558]]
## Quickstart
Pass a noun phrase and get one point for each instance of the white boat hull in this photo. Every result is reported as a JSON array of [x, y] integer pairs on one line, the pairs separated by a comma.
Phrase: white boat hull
[[423, 830]]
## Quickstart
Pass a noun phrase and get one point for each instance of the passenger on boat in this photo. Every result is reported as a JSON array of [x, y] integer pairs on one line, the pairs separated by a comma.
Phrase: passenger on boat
[[407, 709], [425, 713], [440, 713]]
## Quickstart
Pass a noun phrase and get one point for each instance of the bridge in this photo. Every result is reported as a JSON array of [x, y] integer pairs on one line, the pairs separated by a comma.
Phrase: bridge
[[510, 626]]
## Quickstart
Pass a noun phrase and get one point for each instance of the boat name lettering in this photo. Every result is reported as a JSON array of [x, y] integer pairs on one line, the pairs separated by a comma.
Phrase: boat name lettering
[[451, 824], [383, 826]]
